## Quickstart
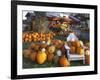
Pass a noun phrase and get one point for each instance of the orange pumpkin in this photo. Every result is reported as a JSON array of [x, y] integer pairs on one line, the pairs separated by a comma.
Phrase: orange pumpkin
[[26, 39], [76, 43], [50, 57], [72, 49], [27, 53], [30, 40], [41, 57], [35, 36], [42, 37], [63, 61], [80, 50]]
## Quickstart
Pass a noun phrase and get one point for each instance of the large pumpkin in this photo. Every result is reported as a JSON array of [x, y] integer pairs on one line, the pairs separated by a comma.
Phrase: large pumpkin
[[80, 50], [72, 49], [63, 62], [27, 53], [41, 57], [50, 57]]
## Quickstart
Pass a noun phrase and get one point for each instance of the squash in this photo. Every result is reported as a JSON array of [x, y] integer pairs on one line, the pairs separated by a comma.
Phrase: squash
[[41, 57], [50, 57], [72, 49], [33, 56], [63, 62], [51, 49], [27, 53], [80, 50]]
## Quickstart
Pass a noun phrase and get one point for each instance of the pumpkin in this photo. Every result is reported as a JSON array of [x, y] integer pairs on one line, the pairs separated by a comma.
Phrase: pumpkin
[[37, 47], [26, 39], [59, 46], [76, 43], [72, 49], [30, 40], [42, 37], [35, 36], [27, 53], [33, 56], [32, 45], [80, 50], [51, 49], [59, 52], [41, 57], [63, 62], [43, 45], [87, 57], [29, 36], [50, 57]]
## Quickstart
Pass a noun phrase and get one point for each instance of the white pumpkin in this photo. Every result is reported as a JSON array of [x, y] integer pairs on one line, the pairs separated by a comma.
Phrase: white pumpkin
[[59, 53]]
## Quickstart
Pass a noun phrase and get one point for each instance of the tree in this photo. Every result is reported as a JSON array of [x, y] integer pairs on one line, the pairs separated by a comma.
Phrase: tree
[[41, 22]]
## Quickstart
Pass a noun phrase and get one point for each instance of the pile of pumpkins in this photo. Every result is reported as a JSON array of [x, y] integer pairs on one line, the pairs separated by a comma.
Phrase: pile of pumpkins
[[76, 47], [45, 53], [34, 36]]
